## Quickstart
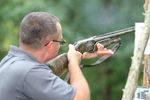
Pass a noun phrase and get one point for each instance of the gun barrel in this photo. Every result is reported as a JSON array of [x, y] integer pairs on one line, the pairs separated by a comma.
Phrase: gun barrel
[[115, 33]]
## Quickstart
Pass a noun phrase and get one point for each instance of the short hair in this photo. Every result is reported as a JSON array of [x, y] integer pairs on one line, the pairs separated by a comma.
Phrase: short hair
[[35, 27]]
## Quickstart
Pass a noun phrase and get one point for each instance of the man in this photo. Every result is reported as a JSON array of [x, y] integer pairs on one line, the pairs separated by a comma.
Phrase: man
[[23, 72]]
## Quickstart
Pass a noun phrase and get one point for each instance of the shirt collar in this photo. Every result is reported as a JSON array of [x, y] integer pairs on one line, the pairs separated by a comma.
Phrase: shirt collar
[[21, 53]]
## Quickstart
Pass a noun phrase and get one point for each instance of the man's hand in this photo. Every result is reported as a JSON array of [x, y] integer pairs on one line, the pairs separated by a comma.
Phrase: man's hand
[[73, 55], [101, 51]]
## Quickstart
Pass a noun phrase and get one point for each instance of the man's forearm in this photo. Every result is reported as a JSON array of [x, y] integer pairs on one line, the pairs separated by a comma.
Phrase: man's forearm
[[78, 80]]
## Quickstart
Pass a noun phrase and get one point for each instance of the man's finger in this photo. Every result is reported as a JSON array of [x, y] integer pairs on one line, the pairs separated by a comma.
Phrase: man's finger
[[100, 46], [105, 53]]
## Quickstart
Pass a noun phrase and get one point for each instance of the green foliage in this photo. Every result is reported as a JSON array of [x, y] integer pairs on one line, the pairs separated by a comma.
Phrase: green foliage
[[81, 19]]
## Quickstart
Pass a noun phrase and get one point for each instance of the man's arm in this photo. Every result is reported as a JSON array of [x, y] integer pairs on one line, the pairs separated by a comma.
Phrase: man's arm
[[77, 79]]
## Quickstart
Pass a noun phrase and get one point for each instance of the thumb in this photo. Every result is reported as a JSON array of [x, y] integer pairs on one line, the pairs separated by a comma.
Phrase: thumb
[[71, 46]]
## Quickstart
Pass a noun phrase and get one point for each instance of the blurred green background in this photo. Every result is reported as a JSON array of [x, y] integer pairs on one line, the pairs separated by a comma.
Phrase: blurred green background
[[81, 19]]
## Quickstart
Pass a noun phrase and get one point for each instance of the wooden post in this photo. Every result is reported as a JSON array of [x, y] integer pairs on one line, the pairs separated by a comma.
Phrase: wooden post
[[130, 87], [146, 81], [138, 32]]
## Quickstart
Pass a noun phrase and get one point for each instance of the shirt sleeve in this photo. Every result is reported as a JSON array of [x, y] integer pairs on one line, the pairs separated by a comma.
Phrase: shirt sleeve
[[41, 84]]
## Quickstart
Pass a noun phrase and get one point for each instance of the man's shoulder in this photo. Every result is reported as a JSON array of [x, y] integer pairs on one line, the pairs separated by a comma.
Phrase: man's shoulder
[[19, 66], [26, 65]]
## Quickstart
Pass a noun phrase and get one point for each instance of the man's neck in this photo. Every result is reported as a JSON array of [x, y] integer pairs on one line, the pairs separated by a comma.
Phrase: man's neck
[[37, 54]]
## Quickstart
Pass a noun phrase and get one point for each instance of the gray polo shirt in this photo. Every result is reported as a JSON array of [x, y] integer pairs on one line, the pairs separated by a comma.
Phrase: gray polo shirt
[[22, 77]]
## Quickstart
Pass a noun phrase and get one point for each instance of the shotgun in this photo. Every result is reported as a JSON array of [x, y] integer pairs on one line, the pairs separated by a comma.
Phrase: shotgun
[[109, 40]]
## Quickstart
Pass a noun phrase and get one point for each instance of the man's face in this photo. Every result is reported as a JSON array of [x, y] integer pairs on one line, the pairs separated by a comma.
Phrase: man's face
[[55, 43]]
